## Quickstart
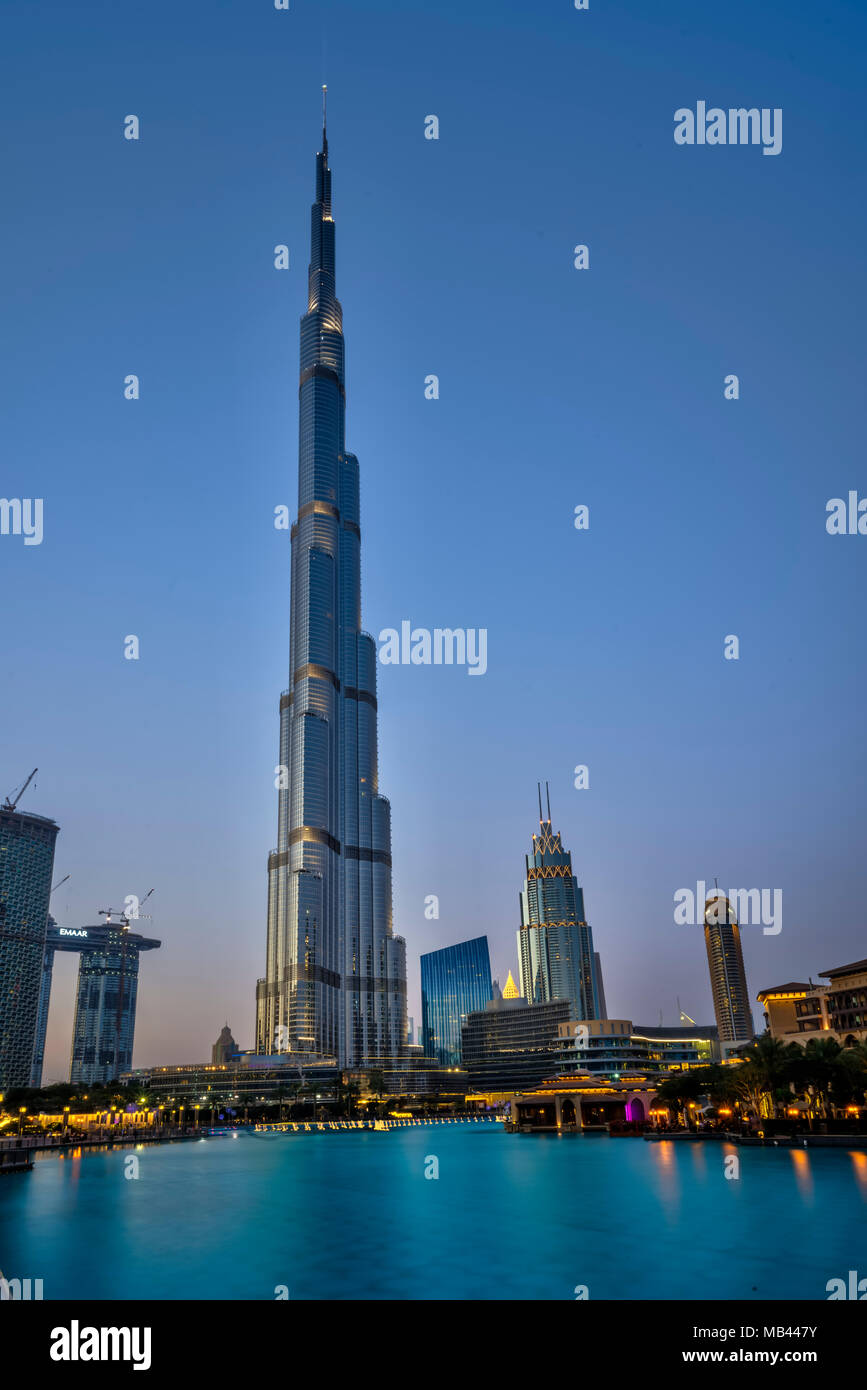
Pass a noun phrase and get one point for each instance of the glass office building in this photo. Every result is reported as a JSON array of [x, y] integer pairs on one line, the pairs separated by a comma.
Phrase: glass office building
[[555, 942], [335, 974], [455, 982], [26, 867]]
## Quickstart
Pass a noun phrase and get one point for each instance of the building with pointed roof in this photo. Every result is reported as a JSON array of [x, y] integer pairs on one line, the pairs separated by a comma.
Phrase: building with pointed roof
[[225, 1046], [511, 991], [555, 942], [335, 974]]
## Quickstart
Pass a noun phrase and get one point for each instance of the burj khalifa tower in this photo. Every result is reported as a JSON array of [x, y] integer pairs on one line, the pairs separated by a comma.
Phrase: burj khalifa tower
[[335, 977]]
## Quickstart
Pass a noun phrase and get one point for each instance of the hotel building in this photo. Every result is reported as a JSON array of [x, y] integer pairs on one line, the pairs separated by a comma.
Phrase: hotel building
[[797, 1011]]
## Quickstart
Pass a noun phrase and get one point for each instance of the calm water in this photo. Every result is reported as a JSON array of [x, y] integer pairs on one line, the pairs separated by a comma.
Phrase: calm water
[[351, 1215]]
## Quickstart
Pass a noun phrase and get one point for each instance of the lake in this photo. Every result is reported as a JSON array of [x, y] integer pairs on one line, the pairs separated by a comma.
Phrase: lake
[[351, 1215]]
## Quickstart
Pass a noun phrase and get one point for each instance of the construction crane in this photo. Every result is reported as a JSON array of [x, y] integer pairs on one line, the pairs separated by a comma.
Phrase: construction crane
[[10, 805], [60, 883]]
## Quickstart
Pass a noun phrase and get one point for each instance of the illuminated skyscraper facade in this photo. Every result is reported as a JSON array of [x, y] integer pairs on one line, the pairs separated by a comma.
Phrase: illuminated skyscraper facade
[[555, 942], [335, 976], [728, 980]]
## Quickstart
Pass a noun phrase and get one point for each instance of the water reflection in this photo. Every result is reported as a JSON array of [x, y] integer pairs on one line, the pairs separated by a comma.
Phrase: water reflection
[[859, 1164], [667, 1175], [803, 1173]]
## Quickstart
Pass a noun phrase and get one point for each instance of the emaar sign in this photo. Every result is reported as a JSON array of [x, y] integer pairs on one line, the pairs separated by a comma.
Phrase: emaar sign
[[73, 931]]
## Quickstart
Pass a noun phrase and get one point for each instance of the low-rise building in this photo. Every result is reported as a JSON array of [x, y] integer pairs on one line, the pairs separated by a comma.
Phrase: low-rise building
[[583, 1102], [511, 1044], [798, 1011], [610, 1046], [846, 1001]]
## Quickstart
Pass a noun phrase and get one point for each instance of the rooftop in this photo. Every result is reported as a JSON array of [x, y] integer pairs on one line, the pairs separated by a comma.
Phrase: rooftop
[[857, 968]]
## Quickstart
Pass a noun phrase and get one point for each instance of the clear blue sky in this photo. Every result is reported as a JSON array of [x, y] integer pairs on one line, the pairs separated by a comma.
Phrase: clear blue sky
[[558, 387]]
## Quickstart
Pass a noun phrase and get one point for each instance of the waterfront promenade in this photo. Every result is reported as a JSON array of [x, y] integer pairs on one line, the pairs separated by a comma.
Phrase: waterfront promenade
[[307, 1126]]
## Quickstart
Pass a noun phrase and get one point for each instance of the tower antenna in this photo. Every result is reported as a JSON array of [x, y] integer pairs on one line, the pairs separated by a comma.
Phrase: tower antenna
[[548, 795], [539, 790], [324, 135]]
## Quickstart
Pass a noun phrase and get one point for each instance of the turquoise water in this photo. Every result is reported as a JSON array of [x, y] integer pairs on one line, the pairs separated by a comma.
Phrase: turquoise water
[[351, 1215]]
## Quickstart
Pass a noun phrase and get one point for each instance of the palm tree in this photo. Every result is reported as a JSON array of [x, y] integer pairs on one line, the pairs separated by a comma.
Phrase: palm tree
[[816, 1069], [769, 1068], [849, 1080]]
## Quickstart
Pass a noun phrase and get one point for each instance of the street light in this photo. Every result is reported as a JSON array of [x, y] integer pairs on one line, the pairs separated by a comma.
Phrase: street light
[[22, 1111]]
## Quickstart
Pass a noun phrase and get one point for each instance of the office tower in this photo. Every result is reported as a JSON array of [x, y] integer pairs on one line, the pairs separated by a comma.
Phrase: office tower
[[106, 996], [555, 943], [225, 1046], [335, 978], [454, 982], [104, 1023], [600, 988], [26, 867], [728, 979]]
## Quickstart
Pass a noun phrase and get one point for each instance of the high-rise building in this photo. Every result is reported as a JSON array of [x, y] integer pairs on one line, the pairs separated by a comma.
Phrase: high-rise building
[[455, 982], [26, 867], [106, 998], [555, 942], [225, 1046], [728, 979], [335, 976]]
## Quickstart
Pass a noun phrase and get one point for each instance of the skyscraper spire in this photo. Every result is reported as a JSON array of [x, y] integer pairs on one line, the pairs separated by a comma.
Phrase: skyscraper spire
[[335, 982]]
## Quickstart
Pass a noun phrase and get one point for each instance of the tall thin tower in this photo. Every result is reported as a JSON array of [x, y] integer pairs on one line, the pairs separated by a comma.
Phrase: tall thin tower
[[335, 981], [728, 980], [555, 941]]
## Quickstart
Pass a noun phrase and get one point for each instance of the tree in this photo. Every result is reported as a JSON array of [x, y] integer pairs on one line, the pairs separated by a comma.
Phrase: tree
[[769, 1067]]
